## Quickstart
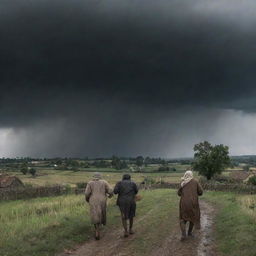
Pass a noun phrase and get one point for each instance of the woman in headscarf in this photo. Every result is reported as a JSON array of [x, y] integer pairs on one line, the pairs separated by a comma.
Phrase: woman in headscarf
[[189, 191], [126, 190], [96, 193]]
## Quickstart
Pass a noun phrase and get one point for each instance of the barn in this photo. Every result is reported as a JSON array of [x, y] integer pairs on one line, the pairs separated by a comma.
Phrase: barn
[[7, 181]]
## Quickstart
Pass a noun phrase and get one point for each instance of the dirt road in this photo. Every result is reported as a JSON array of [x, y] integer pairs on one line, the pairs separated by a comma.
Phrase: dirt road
[[202, 244], [113, 243]]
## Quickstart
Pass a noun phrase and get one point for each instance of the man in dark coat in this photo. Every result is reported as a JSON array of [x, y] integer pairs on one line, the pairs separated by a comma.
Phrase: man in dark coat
[[126, 190], [189, 191]]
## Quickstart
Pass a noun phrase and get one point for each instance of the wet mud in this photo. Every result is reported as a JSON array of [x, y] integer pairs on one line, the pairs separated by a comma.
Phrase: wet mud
[[200, 244]]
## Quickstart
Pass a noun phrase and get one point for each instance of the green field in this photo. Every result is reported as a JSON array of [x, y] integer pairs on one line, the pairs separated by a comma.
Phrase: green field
[[44, 226], [52, 177], [235, 223]]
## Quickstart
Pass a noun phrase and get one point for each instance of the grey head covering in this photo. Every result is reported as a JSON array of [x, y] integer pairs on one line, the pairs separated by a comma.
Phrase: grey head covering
[[96, 176]]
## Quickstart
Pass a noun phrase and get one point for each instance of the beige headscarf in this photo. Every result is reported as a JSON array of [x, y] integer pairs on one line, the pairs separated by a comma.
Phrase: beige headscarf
[[96, 176], [188, 176]]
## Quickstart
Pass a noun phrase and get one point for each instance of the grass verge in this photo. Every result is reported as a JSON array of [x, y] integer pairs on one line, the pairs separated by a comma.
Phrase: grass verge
[[235, 223]]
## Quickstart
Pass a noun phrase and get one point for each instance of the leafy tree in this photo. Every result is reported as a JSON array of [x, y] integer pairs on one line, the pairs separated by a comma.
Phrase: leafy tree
[[24, 168], [210, 160], [139, 160], [32, 171], [147, 161], [118, 164]]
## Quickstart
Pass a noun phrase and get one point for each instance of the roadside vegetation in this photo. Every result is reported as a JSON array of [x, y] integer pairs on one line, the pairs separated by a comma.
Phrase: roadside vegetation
[[44, 226], [235, 230]]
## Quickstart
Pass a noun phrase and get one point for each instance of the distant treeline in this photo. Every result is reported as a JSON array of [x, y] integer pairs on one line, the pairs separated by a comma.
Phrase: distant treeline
[[110, 162], [148, 160]]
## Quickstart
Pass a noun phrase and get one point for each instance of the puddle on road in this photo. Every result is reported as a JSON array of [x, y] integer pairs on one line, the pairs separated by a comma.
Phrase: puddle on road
[[206, 243]]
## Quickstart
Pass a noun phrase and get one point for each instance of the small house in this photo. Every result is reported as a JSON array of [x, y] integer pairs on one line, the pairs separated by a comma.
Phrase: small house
[[7, 181]]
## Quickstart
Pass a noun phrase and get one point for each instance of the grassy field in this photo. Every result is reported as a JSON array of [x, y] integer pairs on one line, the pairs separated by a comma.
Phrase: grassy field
[[52, 177], [235, 223], [42, 226]]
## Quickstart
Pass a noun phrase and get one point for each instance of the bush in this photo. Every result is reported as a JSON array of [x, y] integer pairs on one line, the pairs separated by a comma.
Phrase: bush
[[221, 179], [68, 189], [252, 180], [32, 171], [163, 169], [149, 180], [81, 185], [24, 170], [246, 168]]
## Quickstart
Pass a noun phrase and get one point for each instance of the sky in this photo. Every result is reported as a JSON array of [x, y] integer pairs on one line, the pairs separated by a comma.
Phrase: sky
[[126, 77]]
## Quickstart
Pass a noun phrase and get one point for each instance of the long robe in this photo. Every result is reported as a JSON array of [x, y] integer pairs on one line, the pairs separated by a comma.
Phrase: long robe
[[189, 205], [126, 190], [96, 194]]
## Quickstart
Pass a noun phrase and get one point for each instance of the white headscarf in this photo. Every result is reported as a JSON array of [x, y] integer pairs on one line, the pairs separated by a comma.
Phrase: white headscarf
[[188, 176]]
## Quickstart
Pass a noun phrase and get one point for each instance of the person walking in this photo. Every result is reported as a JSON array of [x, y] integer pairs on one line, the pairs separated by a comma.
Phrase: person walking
[[96, 193], [126, 190], [189, 191]]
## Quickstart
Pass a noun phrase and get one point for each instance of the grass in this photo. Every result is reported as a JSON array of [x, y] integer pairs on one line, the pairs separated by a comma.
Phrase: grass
[[52, 177], [44, 226], [235, 223]]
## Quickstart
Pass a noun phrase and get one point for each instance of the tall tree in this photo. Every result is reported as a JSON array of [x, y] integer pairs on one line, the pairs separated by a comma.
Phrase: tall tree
[[209, 159], [139, 160]]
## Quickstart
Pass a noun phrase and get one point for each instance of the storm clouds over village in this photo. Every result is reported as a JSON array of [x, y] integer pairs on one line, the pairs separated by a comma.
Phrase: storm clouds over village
[[97, 78]]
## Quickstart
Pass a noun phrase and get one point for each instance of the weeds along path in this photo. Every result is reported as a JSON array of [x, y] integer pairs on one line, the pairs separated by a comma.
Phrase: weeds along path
[[202, 244]]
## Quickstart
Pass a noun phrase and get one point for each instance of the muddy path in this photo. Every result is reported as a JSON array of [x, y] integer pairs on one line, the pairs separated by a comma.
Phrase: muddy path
[[201, 244], [113, 243]]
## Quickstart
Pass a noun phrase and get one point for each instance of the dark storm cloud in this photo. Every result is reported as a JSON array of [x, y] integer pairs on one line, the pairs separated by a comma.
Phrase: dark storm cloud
[[110, 67]]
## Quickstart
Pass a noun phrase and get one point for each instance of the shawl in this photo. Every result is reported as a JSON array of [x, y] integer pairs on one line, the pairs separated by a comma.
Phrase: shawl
[[188, 176]]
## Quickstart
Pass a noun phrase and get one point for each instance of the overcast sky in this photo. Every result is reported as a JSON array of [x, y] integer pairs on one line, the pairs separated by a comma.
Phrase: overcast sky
[[126, 77]]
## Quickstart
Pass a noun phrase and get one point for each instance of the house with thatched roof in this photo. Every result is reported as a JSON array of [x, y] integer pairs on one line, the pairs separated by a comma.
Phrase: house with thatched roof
[[7, 182], [242, 176]]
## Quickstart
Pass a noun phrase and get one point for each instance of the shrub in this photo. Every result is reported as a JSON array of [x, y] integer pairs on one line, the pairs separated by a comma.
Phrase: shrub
[[149, 180], [164, 169], [252, 180], [32, 171], [81, 185], [246, 168], [24, 170]]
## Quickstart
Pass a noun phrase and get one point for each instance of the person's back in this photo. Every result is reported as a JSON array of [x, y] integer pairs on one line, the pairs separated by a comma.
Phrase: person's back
[[99, 188], [96, 195], [190, 192], [126, 190], [189, 206]]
